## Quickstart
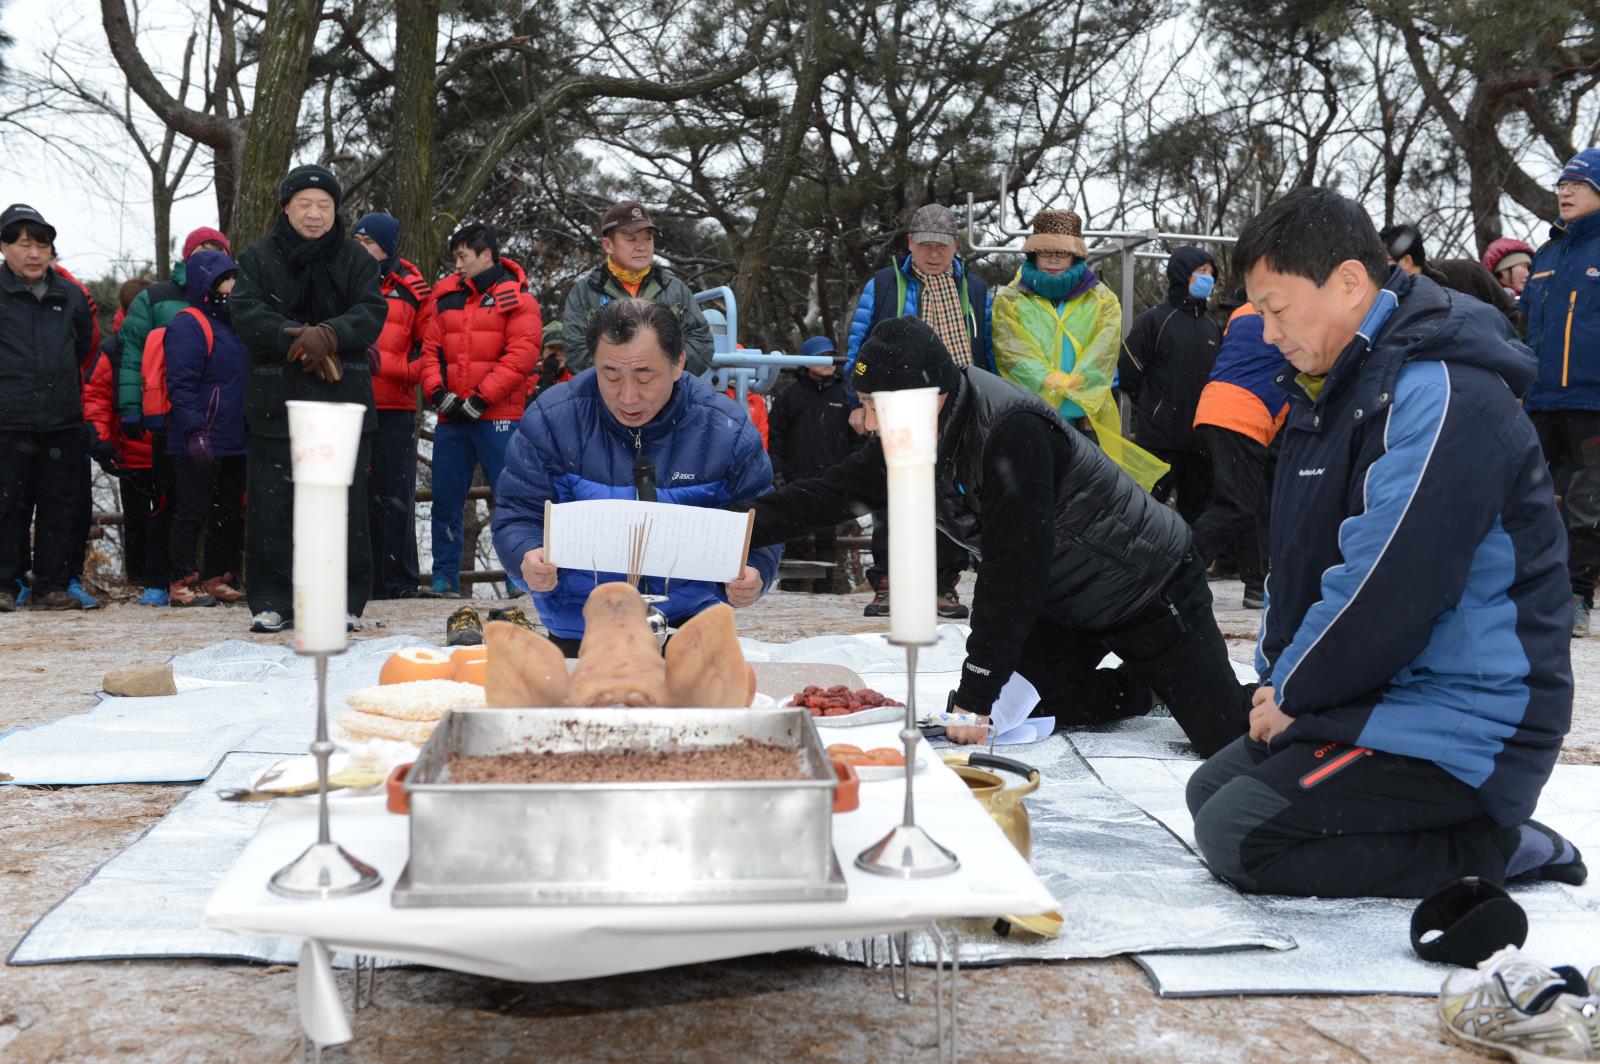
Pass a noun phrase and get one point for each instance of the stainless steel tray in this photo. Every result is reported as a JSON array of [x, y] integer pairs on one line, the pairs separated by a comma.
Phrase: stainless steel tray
[[618, 843]]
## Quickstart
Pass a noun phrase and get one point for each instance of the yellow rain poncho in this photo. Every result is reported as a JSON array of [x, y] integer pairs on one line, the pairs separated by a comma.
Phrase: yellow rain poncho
[[1068, 358]]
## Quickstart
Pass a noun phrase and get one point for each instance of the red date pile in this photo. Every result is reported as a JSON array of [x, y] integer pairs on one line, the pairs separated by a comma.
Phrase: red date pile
[[838, 700]]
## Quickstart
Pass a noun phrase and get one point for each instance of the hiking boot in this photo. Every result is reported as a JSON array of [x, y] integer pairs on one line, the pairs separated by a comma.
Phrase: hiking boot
[[950, 606], [1513, 1006], [75, 589], [55, 600], [8, 602], [879, 606], [515, 616], [186, 591], [1255, 598], [153, 596], [269, 621], [440, 588], [1580, 618], [464, 628], [223, 588]]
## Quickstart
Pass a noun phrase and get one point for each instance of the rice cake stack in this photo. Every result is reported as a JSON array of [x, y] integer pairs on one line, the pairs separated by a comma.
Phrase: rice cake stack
[[405, 711]]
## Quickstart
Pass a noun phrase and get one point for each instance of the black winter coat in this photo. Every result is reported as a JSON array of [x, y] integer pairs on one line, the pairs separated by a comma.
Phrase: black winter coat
[[1167, 359], [1058, 529], [808, 428], [258, 307], [43, 344]]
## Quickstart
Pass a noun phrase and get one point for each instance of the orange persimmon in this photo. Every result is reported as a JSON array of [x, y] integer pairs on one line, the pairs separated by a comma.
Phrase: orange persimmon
[[417, 663]]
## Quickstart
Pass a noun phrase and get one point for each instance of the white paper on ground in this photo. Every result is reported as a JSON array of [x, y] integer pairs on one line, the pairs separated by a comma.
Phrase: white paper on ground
[[1016, 700], [1035, 730]]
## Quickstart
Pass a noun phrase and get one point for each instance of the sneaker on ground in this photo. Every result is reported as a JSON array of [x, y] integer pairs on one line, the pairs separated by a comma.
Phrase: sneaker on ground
[[269, 621], [224, 589], [153, 596], [513, 615], [442, 588], [879, 606], [76, 590], [1580, 618], [1254, 598], [186, 591], [55, 600], [464, 628], [950, 606], [1513, 1006]]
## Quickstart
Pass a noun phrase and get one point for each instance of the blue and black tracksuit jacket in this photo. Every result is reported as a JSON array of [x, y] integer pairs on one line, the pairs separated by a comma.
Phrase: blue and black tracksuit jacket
[[1418, 597]]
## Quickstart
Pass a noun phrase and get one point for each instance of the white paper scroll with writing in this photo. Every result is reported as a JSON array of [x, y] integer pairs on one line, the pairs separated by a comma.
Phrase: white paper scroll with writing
[[647, 538]]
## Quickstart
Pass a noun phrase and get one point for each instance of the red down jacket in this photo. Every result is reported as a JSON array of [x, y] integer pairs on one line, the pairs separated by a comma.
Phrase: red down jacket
[[100, 408], [484, 339], [409, 301]]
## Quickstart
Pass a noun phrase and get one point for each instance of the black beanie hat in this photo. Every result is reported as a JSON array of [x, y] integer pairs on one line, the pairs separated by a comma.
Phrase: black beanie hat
[[310, 176], [904, 353]]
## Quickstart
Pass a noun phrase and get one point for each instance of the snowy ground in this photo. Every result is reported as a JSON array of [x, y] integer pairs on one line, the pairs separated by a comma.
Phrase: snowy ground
[[780, 1007]]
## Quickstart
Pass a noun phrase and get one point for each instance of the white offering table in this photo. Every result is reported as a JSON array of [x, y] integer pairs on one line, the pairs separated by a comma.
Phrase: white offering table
[[550, 943]]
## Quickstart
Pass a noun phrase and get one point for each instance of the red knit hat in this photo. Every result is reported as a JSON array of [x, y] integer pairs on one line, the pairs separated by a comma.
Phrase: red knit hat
[[205, 234], [1495, 256]]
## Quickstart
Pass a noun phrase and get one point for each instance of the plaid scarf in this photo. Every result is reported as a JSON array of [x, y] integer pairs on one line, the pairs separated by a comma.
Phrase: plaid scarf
[[940, 307]]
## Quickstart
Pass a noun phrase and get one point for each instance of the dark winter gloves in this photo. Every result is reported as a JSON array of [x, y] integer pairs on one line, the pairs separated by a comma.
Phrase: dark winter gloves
[[452, 409], [200, 455], [316, 348], [106, 455], [133, 426], [445, 403]]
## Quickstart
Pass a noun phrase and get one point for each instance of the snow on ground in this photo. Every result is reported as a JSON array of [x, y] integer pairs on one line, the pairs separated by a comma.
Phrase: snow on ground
[[779, 1007]]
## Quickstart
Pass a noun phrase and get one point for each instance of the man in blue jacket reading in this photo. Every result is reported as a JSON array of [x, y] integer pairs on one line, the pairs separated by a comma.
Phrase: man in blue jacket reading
[[1416, 679], [581, 439]]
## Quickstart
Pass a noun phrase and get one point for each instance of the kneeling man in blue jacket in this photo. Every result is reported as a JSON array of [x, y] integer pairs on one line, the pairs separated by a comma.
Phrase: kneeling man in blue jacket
[[1416, 679], [580, 440]]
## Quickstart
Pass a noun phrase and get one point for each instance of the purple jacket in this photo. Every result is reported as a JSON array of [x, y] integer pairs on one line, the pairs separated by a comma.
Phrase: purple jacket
[[207, 391]]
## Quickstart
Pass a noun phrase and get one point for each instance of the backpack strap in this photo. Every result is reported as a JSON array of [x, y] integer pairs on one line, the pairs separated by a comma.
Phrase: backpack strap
[[205, 326]]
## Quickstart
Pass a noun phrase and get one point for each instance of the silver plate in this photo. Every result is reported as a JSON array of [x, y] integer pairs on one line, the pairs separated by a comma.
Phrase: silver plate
[[618, 843]]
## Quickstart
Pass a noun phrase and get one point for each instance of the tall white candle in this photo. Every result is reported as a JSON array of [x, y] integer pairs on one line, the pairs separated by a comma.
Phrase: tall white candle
[[907, 423], [324, 439]]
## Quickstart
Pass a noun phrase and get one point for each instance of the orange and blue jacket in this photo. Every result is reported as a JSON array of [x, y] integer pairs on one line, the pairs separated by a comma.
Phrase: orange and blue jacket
[[1562, 304], [1242, 394]]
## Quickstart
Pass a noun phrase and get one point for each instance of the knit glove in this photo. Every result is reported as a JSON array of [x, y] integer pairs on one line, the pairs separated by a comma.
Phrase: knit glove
[[133, 426], [200, 455], [316, 348], [445, 403], [474, 407]]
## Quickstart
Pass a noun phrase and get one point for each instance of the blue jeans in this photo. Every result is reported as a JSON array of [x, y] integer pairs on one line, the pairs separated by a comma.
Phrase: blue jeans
[[457, 451]]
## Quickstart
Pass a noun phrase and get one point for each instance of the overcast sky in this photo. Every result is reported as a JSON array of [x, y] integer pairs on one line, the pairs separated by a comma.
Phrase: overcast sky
[[100, 207]]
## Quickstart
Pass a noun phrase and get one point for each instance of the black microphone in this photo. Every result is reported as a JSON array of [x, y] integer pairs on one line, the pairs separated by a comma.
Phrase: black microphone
[[644, 479]]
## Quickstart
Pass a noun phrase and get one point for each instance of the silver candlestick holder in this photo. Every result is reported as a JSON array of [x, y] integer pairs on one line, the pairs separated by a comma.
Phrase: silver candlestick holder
[[908, 852], [324, 870]]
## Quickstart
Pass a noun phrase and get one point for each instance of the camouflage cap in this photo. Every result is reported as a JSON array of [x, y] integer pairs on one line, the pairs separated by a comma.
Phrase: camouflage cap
[[934, 224]]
